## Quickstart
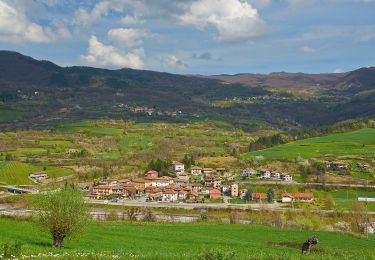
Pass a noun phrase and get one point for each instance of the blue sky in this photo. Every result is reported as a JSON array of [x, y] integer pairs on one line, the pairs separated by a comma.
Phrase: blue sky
[[194, 36]]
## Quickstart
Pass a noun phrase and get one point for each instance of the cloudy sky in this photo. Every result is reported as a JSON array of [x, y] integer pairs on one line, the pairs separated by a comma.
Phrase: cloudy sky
[[194, 36]]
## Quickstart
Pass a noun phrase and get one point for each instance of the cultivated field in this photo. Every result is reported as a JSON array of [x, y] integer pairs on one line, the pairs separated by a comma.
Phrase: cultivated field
[[190, 241]]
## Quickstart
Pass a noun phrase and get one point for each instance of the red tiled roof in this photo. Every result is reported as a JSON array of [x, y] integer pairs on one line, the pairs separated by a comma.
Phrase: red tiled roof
[[169, 192], [302, 195], [259, 195]]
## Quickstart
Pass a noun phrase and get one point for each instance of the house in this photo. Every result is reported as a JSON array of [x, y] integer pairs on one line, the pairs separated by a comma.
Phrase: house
[[242, 193], [258, 196], [286, 177], [225, 189], [286, 197], [338, 165], [364, 166], [159, 182], [275, 175], [141, 183], [195, 170], [182, 194], [38, 176], [212, 182], [169, 195], [234, 190], [265, 174], [178, 167], [207, 170], [71, 151], [304, 197], [215, 193], [129, 192], [248, 172], [102, 191], [151, 175], [180, 182], [183, 176]]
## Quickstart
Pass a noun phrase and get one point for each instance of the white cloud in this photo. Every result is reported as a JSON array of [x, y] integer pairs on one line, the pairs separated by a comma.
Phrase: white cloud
[[173, 62], [131, 20], [127, 37], [307, 49], [234, 20], [16, 27], [99, 54], [84, 17]]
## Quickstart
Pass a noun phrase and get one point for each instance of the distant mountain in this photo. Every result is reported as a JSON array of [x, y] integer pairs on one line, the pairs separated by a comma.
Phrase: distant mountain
[[41, 94], [282, 79]]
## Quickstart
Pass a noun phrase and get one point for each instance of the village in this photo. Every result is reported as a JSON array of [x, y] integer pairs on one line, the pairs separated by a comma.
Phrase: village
[[199, 185]]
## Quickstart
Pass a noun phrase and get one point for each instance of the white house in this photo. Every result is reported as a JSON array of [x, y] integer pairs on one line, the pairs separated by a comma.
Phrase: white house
[[265, 174], [178, 167], [161, 183], [275, 175], [38, 176], [195, 170], [286, 197], [169, 195], [286, 177]]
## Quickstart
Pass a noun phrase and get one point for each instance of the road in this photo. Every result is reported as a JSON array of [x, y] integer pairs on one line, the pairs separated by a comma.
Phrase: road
[[292, 183]]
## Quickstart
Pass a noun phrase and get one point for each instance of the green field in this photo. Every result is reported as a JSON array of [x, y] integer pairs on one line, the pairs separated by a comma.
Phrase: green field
[[7, 115], [187, 241], [16, 173], [356, 143], [344, 198]]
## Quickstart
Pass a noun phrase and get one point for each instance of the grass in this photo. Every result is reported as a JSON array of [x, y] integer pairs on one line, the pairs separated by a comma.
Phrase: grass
[[16, 173], [356, 143], [186, 241], [345, 198]]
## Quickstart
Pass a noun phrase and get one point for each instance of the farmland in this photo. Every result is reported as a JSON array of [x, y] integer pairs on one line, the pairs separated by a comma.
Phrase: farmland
[[360, 143], [17, 173], [187, 241]]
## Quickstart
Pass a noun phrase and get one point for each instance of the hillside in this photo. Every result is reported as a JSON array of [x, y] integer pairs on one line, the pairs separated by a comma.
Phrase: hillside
[[360, 143], [40, 94]]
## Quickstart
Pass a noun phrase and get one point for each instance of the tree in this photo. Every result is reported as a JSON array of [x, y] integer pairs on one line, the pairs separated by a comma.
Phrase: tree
[[249, 194], [270, 195], [62, 213]]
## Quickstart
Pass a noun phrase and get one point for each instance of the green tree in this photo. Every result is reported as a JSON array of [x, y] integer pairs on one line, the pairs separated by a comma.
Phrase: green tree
[[249, 194], [270, 195], [63, 214]]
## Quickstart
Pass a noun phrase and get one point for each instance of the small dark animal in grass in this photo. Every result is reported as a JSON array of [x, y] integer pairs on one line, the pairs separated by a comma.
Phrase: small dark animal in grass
[[306, 247]]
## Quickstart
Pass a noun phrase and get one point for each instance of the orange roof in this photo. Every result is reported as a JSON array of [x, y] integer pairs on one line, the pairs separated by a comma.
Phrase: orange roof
[[287, 195], [302, 195], [140, 180], [220, 169], [215, 191], [259, 195], [169, 192], [177, 163]]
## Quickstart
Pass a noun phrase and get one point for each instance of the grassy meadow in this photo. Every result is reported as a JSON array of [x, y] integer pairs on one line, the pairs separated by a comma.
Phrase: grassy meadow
[[360, 143], [189, 241], [16, 173]]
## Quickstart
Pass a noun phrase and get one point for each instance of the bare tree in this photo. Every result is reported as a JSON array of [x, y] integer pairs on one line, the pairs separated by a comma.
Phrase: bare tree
[[62, 213]]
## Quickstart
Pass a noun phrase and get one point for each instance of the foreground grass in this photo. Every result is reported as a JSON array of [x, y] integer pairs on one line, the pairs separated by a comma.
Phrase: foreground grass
[[187, 241], [357, 143]]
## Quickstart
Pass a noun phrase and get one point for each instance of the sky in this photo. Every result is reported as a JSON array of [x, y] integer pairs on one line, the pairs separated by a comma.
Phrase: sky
[[194, 36]]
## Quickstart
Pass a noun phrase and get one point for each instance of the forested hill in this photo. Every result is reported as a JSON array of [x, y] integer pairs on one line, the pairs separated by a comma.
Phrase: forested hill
[[41, 94]]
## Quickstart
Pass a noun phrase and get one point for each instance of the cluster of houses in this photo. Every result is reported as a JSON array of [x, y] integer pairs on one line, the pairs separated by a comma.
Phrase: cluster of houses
[[147, 110], [267, 174], [338, 165], [210, 185]]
